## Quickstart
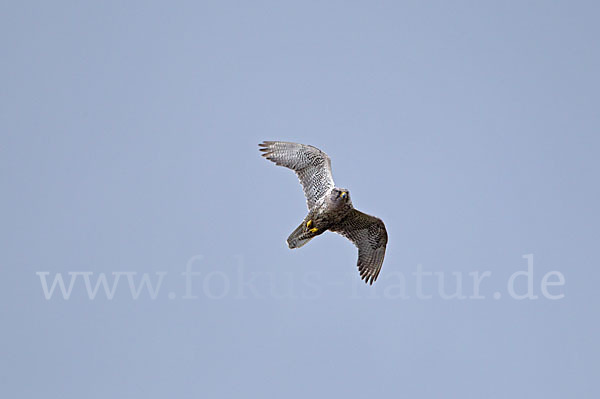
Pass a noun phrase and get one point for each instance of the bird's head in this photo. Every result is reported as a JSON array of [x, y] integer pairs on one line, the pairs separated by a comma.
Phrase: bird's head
[[340, 196]]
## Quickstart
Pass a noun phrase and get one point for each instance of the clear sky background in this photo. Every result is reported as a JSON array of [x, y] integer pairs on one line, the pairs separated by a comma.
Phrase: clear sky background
[[129, 135]]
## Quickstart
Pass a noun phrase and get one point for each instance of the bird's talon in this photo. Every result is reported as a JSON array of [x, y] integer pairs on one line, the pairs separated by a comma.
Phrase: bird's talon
[[309, 223], [314, 230]]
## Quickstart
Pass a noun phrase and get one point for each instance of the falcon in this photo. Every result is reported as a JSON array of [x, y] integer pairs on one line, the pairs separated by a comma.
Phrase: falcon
[[329, 207]]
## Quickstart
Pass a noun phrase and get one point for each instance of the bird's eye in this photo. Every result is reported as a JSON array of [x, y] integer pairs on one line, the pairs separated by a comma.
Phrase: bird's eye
[[344, 195]]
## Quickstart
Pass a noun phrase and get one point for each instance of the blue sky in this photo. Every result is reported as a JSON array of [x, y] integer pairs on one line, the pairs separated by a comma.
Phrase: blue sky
[[129, 147]]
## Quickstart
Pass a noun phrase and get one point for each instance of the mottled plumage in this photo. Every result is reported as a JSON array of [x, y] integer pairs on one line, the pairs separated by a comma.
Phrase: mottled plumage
[[329, 207]]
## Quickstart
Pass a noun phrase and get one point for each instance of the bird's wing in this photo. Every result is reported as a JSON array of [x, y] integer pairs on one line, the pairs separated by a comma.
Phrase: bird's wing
[[369, 235], [312, 166]]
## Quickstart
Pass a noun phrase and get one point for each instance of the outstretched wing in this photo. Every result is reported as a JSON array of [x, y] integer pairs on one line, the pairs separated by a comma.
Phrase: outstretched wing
[[312, 166], [370, 237]]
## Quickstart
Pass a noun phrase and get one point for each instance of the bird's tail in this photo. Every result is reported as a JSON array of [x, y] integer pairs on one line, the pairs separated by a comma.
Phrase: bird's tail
[[300, 236]]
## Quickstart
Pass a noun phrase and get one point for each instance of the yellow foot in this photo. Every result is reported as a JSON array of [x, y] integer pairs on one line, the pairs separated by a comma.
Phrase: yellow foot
[[309, 223], [314, 230]]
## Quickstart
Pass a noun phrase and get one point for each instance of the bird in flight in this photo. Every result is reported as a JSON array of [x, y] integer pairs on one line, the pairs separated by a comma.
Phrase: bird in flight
[[329, 207]]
